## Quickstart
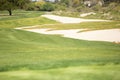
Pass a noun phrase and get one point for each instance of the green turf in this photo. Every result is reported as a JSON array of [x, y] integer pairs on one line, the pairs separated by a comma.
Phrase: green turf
[[26, 55], [18, 14], [36, 51], [69, 73]]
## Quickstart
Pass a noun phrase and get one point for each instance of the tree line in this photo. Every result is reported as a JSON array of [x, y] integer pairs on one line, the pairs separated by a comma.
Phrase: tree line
[[42, 5]]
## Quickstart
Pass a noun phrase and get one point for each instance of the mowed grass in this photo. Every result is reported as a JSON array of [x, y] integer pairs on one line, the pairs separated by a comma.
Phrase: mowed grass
[[30, 56], [23, 18], [69, 73]]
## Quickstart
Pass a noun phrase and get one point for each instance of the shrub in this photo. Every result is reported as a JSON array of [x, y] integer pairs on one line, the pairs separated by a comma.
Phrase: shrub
[[59, 7], [113, 9], [39, 5], [83, 9], [30, 7], [48, 7], [97, 8]]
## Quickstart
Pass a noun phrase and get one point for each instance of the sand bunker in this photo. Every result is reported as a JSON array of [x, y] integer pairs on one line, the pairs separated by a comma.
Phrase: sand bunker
[[70, 19], [110, 35]]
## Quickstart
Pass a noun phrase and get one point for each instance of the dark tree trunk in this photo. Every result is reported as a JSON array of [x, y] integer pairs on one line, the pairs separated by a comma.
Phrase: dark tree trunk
[[10, 12]]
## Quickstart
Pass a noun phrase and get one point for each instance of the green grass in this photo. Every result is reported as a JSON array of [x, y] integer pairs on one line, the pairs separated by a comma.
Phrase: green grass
[[85, 25], [23, 18], [31, 56], [26, 55], [35, 51], [19, 14], [70, 73]]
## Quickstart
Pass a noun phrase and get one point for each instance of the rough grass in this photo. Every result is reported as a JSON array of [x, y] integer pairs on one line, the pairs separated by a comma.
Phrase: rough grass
[[19, 14], [23, 18], [85, 25]]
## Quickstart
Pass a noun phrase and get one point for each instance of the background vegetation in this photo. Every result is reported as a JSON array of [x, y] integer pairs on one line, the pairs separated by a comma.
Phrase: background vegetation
[[109, 10]]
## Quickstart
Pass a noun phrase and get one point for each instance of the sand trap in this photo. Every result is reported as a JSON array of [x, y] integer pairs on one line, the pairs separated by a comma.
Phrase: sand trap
[[110, 35], [87, 14], [70, 19]]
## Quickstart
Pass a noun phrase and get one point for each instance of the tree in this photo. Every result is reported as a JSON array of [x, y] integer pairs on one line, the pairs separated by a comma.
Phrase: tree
[[48, 7], [75, 3], [66, 2], [10, 5], [71, 3], [40, 4]]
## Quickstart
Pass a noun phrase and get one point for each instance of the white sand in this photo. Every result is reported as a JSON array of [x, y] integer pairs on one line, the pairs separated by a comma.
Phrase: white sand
[[70, 19], [87, 14], [110, 35]]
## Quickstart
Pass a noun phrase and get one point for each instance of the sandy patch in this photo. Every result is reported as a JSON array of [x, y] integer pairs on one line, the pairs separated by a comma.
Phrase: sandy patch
[[87, 14], [27, 27], [70, 19], [110, 35]]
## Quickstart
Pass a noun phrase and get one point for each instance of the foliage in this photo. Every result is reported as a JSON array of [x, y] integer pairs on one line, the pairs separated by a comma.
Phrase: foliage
[[109, 1], [12, 4], [40, 4], [60, 7], [76, 3], [31, 7], [48, 7], [66, 2], [110, 10]]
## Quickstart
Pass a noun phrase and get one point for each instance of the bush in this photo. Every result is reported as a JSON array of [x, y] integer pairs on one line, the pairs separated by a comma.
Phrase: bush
[[59, 7], [113, 11], [39, 5], [30, 7], [97, 8], [83, 9], [48, 7]]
